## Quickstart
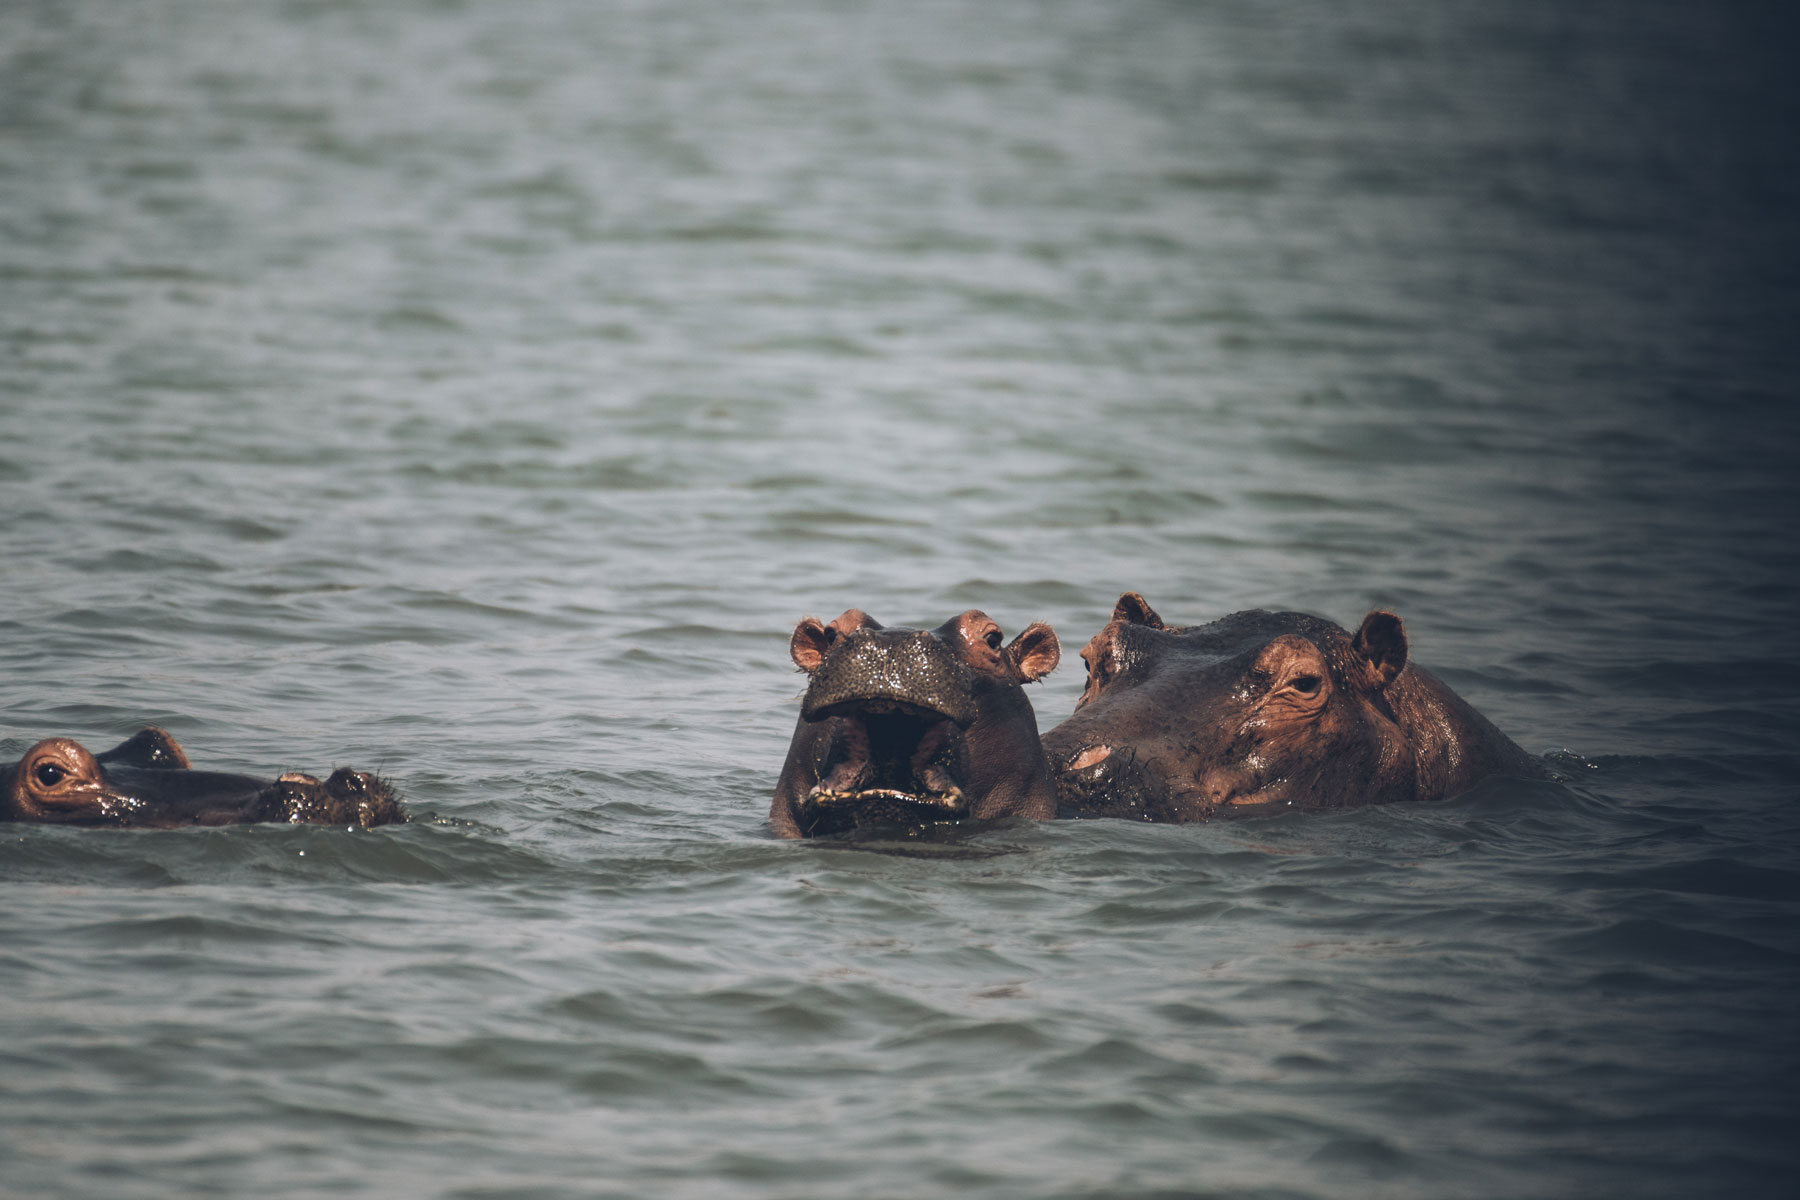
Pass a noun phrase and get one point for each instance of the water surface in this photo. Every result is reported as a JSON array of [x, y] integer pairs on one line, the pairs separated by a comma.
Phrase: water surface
[[481, 392]]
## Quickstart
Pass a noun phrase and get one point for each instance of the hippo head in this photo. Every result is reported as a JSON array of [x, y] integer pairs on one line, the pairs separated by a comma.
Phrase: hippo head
[[1254, 713], [902, 726], [146, 782]]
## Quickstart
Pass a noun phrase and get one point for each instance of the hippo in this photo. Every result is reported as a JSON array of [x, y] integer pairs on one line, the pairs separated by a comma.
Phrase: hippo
[[1262, 712], [912, 726], [145, 782]]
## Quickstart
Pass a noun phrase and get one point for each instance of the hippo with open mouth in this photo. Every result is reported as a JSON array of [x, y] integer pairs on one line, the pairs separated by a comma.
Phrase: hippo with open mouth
[[910, 726], [145, 782], [1262, 712]]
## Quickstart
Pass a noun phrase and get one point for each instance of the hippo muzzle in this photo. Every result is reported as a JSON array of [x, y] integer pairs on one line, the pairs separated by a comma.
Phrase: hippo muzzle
[[892, 671]]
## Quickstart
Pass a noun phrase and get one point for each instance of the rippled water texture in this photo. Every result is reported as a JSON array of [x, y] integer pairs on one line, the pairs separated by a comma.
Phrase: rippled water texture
[[480, 392]]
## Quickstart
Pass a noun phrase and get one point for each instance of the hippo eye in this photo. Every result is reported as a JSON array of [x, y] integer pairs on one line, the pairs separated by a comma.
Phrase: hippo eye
[[1306, 685], [49, 774], [994, 639]]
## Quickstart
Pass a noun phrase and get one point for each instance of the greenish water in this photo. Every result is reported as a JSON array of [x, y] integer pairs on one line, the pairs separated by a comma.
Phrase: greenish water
[[479, 393]]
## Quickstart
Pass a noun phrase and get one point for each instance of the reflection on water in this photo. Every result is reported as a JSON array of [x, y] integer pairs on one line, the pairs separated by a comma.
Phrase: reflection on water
[[479, 394]]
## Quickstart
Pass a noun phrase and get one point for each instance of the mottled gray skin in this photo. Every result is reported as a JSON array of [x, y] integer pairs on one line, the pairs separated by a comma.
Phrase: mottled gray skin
[[909, 726], [145, 782], [1263, 712]]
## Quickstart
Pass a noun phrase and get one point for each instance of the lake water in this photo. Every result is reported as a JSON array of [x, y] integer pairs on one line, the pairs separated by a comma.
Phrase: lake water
[[479, 393]]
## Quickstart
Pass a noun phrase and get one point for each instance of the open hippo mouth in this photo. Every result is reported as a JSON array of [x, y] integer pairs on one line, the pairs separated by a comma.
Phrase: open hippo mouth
[[913, 728], [892, 763]]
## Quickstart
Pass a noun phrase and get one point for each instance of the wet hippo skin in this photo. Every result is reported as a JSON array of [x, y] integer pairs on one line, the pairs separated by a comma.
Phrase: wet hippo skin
[[146, 782], [903, 726], [1262, 712]]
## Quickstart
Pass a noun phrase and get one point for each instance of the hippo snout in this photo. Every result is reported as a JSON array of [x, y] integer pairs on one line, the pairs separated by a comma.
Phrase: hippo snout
[[346, 798], [1095, 774], [892, 671]]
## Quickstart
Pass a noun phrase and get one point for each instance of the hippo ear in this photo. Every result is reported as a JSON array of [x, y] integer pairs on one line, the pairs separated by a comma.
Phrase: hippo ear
[[810, 642], [148, 747], [1133, 609], [1381, 643], [1035, 652]]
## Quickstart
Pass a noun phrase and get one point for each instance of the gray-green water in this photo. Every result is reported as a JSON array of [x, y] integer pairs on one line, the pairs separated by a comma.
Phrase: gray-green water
[[480, 392]]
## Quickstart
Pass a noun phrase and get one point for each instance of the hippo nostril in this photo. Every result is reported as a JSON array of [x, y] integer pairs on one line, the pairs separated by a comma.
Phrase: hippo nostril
[[345, 782], [1089, 756]]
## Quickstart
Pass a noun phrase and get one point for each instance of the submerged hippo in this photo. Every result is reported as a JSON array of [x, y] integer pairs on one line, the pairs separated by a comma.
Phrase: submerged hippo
[[909, 725], [1263, 712], [145, 782]]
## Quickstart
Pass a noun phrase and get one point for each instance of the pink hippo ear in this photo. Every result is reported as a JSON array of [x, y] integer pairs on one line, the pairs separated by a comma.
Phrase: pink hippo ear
[[810, 642], [1035, 651], [1381, 644], [1133, 609]]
